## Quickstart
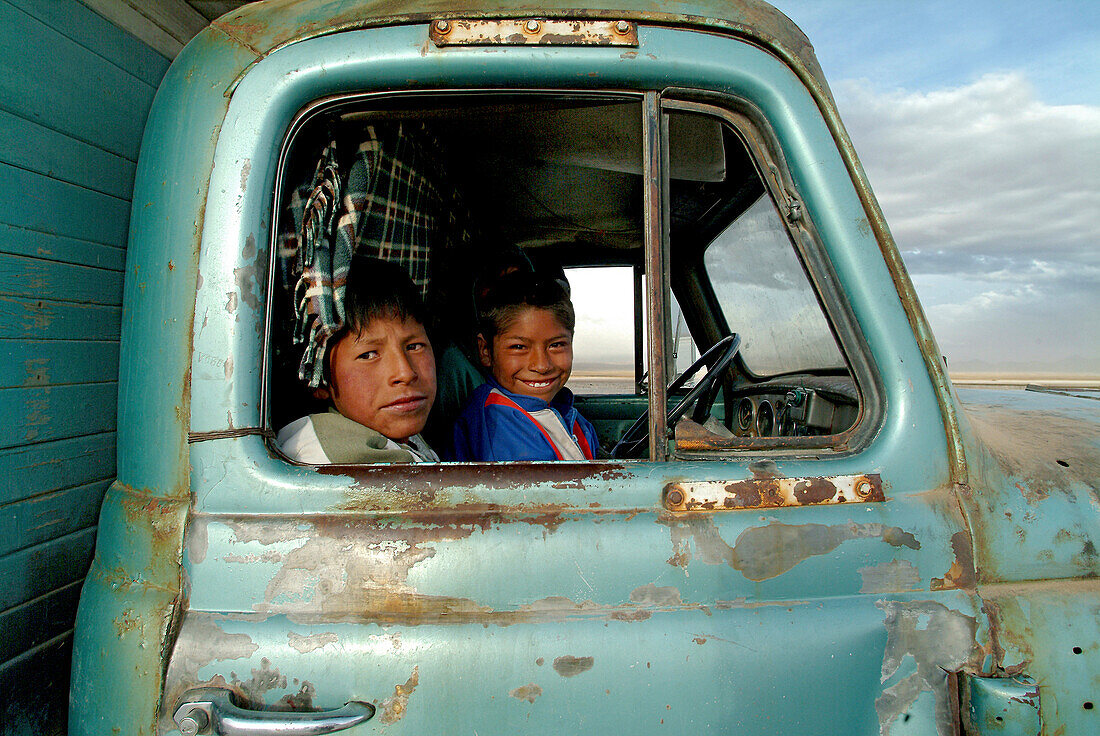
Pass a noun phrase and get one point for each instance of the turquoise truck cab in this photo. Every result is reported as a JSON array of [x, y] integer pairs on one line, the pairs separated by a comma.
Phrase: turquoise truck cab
[[804, 533]]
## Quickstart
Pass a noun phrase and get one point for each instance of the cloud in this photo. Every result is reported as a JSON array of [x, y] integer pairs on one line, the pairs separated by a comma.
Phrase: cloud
[[993, 198], [986, 168]]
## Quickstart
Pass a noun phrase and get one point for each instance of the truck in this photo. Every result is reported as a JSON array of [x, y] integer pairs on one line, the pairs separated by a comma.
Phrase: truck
[[807, 530]]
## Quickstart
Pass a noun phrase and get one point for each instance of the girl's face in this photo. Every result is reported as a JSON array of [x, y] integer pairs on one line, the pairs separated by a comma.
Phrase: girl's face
[[532, 355]]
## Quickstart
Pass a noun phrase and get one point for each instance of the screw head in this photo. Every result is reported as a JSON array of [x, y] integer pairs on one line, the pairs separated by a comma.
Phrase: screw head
[[622, 27], [188, 727], [443, 26], [193, 723], [674, 497], [863, 488], [532, 26]]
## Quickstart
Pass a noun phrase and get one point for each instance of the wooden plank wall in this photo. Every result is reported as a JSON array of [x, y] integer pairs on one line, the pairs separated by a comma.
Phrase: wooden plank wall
[[74, 94]]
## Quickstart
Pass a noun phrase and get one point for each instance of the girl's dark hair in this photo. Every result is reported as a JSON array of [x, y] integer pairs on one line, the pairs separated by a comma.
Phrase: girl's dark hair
[[380, 289], [513, 292]]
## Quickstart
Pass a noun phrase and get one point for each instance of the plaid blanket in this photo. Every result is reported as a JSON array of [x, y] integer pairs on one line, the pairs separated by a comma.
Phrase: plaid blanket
[[389, 206]]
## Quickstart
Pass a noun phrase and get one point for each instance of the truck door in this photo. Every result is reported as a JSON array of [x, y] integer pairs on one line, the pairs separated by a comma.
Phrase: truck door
[[788, 560]]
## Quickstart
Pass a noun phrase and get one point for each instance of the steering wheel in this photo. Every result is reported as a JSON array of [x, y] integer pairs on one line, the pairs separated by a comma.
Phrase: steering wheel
[[703, 393]]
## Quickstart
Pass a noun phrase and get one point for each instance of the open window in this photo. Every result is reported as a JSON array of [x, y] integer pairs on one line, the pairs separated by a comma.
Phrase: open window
[[684, 212]]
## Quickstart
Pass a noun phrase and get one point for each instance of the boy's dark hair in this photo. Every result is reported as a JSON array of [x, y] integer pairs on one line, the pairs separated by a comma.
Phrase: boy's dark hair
[[515, 291], [380, 289]]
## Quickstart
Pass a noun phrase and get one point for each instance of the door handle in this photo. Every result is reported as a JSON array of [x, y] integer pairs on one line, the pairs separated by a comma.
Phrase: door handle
[[210, 710]]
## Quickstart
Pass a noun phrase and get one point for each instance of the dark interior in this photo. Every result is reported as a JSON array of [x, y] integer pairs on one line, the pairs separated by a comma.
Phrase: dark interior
[[561, 178]]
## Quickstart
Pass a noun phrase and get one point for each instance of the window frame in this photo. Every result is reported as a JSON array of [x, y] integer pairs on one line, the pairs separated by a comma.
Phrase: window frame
[[750, 125], [752, 128]]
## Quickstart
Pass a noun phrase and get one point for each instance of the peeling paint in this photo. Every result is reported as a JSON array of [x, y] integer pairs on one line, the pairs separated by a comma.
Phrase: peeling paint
[[651, 595], [765, 552], [527, 692], [939, 640], [570, 666], [890, 577], [393, 708], [197, 539], [202, 641], [307, 644], [263, 679]]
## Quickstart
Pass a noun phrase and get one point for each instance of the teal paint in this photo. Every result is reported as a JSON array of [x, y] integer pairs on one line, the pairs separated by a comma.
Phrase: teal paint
[[74, 90], [861, 615]]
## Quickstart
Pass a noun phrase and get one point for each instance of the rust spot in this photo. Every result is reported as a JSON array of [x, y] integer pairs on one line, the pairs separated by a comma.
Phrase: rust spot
[[264, 679], [171, 266], [126, 622], [540, 661], [961, 573], [393, 708], [745, 494], [700, 640], [527, 692], [814, 490], [299, 701], [377, 485], [570, 666]]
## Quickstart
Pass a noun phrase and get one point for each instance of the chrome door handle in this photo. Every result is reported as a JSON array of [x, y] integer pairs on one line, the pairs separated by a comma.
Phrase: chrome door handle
[[210, 710]]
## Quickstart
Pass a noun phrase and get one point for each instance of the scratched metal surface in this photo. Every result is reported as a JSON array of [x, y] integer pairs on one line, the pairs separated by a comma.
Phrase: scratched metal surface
[[459, 577], [1033, 504], [539, 598]]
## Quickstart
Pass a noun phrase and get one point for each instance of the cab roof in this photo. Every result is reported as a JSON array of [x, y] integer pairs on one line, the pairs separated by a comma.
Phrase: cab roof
[[266, 26]]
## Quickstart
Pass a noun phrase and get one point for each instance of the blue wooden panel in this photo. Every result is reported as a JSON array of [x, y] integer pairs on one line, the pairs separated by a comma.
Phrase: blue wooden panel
[[32, 277], [40, 319], [30, 146], [51, 515], [20, 241], [34, 690], [40, 414], [33, 469], [37, 621], [33, 572], [87, 28], [40, 203], [56, 362], [50, 79]]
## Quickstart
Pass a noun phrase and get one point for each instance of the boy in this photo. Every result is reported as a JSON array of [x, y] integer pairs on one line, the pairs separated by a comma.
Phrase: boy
[[379, 377], [524, 412]]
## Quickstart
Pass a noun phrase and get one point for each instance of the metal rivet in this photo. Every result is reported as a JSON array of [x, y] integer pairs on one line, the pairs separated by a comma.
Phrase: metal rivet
[[622, 27], [674, 497], [794, 211], [532, 26], [443, 26], [863, 488]]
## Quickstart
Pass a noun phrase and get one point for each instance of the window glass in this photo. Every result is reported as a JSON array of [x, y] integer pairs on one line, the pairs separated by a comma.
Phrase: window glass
[[766, 297], [603, 342]]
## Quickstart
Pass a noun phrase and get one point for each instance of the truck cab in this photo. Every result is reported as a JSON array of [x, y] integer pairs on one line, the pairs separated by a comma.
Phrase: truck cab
[[795, 528]]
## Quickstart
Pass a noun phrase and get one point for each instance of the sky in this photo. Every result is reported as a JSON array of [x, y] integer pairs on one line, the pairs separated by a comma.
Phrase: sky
[[978, 124]]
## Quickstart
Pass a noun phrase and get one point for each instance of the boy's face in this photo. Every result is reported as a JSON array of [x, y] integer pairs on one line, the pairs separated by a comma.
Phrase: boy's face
[[532, 356], [383, 377]]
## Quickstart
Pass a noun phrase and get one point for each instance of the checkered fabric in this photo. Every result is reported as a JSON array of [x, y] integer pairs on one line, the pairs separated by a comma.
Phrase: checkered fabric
[[391, 207]]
